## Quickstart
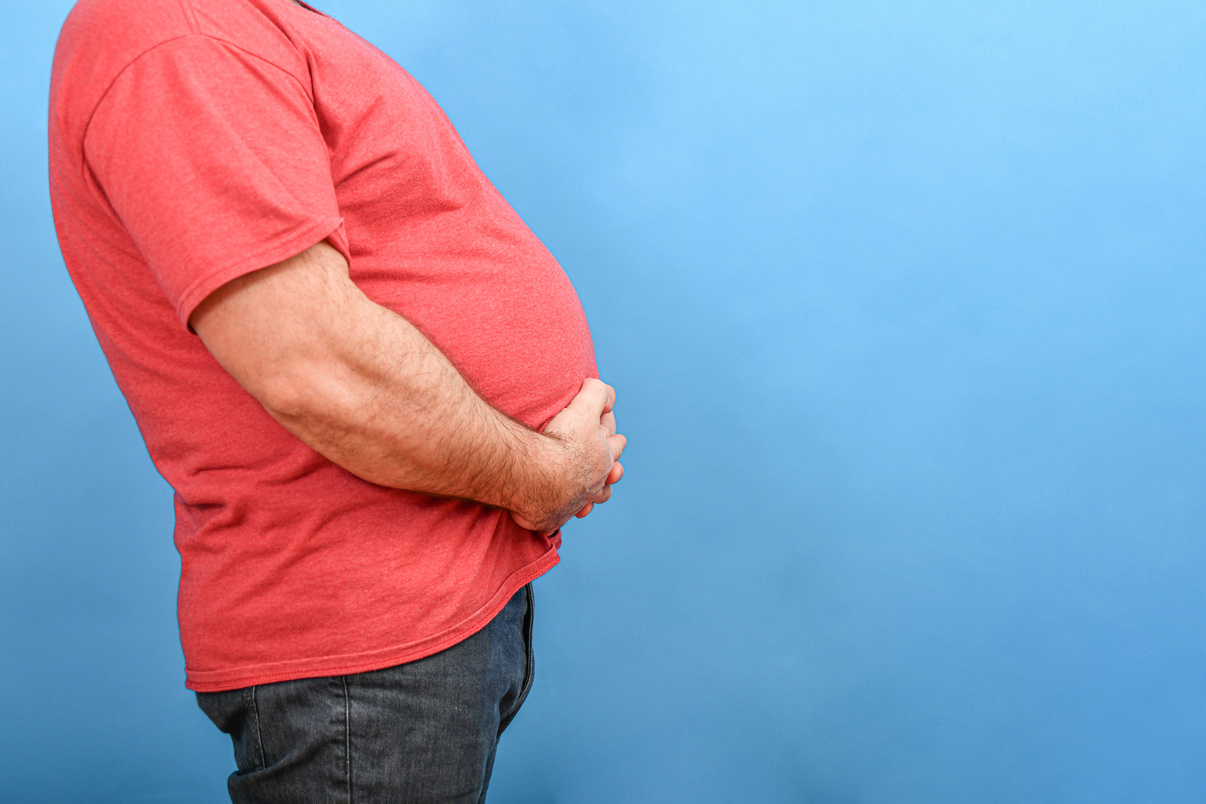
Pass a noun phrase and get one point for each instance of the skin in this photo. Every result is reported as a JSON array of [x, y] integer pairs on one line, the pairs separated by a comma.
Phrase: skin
[[365, 389]]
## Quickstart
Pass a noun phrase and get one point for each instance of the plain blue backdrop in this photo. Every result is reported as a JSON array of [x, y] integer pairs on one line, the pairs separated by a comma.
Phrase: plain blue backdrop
[[906, 309]]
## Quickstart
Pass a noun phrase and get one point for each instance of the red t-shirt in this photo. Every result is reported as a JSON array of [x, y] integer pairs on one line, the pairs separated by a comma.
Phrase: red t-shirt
[[193, 141]]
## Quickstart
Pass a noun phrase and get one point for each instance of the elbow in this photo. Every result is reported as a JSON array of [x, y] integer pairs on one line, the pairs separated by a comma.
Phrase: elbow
[[297, 395], [285, 396]]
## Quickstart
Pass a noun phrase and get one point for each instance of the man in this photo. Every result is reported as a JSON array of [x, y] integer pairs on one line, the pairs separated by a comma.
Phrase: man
[[371, 387]]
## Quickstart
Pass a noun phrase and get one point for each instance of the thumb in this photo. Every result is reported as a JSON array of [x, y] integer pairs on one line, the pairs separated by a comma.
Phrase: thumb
[[594, 398]]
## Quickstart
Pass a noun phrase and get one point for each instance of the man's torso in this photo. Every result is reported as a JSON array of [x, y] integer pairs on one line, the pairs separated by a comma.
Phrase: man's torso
[[292, 566]]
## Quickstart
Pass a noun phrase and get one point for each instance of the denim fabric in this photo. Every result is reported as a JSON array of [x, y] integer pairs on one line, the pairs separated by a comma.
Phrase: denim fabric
[[425, 731]]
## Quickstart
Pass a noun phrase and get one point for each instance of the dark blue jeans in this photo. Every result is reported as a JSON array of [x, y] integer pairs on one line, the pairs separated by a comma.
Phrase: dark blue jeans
[[425, 731]]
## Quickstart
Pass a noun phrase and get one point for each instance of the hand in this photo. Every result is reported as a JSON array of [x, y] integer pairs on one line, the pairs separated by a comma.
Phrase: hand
[[608, 421], [583, 460]]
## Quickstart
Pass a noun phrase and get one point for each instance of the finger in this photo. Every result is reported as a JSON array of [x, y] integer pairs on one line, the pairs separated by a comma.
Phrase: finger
[[617, 472], [608, 423], [616, 444], [603, 496], [532, 526], [610, 401], [585, 510], [595, 396]]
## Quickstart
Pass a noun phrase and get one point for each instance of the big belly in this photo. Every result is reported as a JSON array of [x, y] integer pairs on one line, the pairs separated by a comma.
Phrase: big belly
[[507, 318]]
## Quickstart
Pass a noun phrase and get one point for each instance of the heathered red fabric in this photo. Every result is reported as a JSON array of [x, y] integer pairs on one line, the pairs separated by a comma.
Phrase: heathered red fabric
[[193, 141]]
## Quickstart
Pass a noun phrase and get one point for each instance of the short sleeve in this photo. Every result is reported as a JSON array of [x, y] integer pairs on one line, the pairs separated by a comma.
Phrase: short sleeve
[[214, 162]]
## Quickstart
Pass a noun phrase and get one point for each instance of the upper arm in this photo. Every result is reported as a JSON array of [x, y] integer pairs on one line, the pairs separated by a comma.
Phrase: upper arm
[[214, 164], [272, 328]]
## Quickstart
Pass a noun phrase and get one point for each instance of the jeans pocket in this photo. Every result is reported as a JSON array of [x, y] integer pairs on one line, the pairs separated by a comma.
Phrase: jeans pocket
[[528, 622], [529, 661], [235, 712]]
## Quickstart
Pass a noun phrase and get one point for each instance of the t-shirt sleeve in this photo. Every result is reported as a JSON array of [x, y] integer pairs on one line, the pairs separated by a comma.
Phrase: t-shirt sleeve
[[213, 160]]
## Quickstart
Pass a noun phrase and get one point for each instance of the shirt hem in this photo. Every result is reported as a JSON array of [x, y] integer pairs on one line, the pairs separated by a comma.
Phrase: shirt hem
[[223, 680]]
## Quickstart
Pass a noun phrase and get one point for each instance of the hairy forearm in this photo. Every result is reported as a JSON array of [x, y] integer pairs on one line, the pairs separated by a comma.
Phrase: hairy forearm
[[368, 391], [381, 401]]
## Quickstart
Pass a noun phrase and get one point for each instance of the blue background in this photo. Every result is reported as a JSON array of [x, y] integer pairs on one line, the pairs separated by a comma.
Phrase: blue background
[[905, 307]]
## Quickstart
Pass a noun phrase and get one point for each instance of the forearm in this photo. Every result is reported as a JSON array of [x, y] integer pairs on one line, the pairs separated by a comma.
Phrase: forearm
[[368, 391], [382, 402]]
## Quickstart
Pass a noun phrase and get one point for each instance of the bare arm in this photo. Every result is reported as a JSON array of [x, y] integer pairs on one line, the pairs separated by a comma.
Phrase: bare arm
[[368, 391]]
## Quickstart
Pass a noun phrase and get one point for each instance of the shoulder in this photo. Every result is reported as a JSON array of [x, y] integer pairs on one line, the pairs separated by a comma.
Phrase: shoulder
[[103, 36], [101, 39], [116, 31]]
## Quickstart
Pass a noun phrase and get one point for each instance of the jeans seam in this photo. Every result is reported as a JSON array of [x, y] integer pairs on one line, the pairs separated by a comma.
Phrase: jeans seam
[[261, 760], [529, 665], [529, 627], [347, 732]]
